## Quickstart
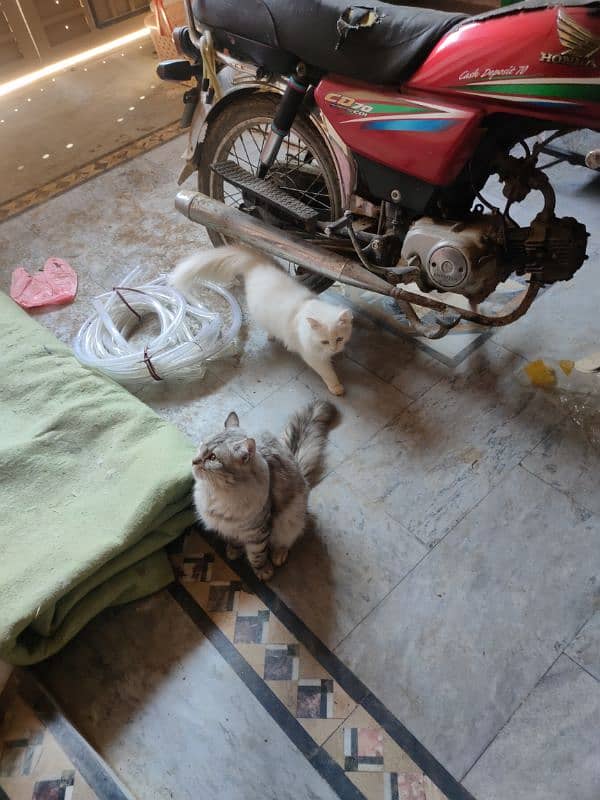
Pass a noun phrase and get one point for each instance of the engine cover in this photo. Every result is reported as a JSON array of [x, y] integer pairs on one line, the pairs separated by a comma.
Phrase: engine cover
[[461, 257]]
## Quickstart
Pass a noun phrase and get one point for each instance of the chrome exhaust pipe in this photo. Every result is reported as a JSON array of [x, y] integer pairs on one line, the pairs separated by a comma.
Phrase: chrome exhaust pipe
[[257, 234]]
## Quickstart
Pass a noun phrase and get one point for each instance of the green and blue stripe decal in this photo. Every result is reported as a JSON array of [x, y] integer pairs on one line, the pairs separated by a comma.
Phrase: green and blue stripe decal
[[423, 125], [548, 92], [405, 117]]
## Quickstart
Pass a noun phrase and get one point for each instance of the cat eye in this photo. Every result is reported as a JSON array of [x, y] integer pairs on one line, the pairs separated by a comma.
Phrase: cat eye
[[324, 341], [212, 457], [340, 339]]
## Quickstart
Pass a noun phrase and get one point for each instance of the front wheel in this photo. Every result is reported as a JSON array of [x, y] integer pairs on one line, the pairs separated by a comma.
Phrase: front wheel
[[304, 167]]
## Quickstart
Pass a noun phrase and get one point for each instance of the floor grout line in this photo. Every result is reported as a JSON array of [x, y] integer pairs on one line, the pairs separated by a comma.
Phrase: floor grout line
[[580, 666], [277, 389], [581, 627], [426, 555], [561, 491], [431, 547], [509, 718], [387, 383]]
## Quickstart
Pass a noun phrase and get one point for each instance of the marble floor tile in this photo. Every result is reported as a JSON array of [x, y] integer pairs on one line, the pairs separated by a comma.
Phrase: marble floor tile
[[550, 748], [324, 699], [375, 763], [198, 408], [338, 572], [367, 406], [169, 714], [260, 368], [585, 647], [458, 645], [569, 459], [394, 359], [448, 449], [34, 764]]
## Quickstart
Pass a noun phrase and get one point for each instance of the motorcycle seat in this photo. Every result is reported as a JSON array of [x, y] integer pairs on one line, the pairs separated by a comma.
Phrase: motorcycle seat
[[374, 42]]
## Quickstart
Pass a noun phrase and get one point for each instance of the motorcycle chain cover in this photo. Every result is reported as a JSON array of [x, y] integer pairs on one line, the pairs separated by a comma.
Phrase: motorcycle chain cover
[[261, 189]]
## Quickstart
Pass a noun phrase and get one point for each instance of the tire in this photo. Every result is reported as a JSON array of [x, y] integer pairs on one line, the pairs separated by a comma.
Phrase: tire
[[247, 115]]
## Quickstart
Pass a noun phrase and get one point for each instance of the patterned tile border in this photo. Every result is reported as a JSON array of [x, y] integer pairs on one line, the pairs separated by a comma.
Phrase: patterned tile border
[[88, 171], [42, 756], [344, 731]]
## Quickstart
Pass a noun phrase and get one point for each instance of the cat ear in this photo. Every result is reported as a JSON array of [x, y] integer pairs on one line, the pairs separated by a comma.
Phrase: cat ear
[[232, 421], [346, 316], [314, 324]]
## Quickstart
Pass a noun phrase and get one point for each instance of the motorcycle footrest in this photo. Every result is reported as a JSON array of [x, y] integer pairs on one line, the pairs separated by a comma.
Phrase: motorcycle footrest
[[261, 189]]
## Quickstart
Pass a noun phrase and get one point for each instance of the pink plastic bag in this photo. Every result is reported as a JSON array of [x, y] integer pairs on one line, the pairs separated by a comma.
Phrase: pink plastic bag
[[52, 286]]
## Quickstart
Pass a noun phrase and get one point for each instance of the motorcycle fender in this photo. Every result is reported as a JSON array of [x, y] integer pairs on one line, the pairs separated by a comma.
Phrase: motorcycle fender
[[204, 114]]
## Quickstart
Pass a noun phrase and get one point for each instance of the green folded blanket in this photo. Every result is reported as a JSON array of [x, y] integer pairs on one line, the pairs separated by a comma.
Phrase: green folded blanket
[[93, 485]]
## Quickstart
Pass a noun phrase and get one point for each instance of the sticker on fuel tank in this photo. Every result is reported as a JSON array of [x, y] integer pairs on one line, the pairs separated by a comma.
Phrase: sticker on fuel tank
[[349, 104], [395, 116]]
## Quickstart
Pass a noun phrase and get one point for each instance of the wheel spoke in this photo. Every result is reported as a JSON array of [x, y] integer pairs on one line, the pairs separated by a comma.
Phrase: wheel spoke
[[296, 170], [241, 158], [258, 148], [246, 151]]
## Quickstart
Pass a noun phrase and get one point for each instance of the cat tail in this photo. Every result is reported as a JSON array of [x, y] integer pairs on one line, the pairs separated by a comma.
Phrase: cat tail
[[221, 264], [306, 436]]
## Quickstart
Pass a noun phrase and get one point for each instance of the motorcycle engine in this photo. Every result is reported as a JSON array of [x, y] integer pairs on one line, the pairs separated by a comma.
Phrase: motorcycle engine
[[551, 249], [460, 257], [472, 258]]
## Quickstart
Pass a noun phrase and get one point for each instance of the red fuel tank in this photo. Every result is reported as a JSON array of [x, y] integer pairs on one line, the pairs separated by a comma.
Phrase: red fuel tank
[[542, 64]]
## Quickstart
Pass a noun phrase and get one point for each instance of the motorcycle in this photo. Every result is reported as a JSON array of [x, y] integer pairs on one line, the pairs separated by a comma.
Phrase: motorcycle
[[353, 142]]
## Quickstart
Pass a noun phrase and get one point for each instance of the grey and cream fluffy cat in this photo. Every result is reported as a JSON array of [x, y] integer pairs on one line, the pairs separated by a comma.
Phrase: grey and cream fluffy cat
[[254, 492]]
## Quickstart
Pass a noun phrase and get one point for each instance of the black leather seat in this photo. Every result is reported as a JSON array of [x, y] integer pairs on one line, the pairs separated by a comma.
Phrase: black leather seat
[[378, 43]]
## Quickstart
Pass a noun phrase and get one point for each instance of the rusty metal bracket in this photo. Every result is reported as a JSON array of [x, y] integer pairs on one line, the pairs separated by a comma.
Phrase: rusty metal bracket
[[520, 306], [445, 322]]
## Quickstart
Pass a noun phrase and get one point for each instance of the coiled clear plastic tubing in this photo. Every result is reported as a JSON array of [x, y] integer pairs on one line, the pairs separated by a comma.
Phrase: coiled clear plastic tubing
[[190, 334]]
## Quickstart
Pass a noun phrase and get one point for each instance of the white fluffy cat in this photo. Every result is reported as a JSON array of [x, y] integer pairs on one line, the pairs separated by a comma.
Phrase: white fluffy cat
[[288, 311]]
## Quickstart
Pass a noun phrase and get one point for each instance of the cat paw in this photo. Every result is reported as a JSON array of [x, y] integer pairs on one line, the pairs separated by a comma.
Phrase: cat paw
[[264, 573], [338, 390], [233, 552], [279, 556]]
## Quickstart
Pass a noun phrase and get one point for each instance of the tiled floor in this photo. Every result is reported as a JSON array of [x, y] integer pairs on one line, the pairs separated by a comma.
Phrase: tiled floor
[[453, 567], [292, 680], [41, 756], [338, 722]]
